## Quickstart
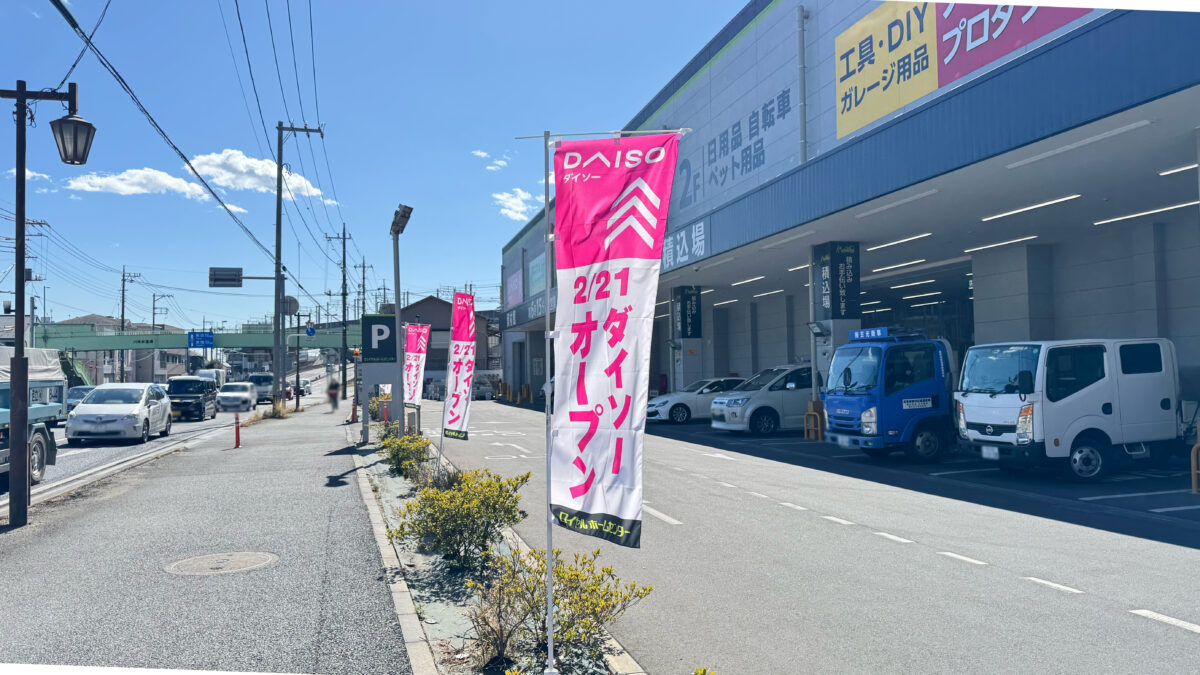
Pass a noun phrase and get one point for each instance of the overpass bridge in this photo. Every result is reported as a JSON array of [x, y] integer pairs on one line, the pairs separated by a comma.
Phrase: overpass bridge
[[83, 338]]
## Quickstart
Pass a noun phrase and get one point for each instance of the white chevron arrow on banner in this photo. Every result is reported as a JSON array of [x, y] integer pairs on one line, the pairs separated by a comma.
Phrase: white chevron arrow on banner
[[632, 222]]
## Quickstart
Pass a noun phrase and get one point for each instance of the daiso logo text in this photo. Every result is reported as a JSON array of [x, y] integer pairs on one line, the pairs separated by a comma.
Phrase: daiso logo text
[[633, 158]]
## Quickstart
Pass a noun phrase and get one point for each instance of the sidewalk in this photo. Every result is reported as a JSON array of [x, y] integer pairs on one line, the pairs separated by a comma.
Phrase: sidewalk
[[86, 583]]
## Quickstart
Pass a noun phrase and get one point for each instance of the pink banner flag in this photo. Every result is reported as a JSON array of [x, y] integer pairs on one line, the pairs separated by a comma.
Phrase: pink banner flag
[[460, 368], [610, 215], [416, 341]]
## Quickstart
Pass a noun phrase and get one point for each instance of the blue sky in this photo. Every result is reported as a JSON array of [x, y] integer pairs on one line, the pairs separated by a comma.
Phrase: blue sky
[[411, 95]]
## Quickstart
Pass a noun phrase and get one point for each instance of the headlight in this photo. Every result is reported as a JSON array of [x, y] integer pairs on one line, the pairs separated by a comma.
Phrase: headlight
[[1025, 425], [129, 418], [869, 422], [71, 415], [654, 404], [737, 402], [962, 421]]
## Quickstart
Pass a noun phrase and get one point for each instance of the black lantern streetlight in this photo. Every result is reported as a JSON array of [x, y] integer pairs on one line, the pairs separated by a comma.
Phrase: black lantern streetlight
[[73, 135]]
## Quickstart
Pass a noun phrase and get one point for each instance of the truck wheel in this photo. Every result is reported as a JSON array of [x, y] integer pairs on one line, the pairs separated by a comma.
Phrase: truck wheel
[[37, 458], [763, 422], [1089, 460], [680, 413], [927, 446]]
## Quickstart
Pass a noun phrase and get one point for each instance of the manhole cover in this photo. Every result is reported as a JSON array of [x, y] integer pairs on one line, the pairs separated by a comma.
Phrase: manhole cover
[[222, 563]]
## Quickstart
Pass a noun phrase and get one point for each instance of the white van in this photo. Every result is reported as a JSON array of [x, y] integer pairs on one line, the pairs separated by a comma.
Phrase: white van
[[263, 382], [1088, 404], [775, 398], [213, 374]]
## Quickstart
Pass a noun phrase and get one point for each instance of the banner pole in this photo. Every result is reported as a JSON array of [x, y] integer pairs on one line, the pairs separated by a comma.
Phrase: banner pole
[[550, 669]]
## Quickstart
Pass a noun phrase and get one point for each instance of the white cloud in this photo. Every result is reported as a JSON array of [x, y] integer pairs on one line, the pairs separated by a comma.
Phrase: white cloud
[[515, 205], [497, 164], [543, 181], [330, 202], [500, 162], [137, 182], [233, 169], [235, 208], [30, 174], [479, 153], [76, 198], [45, 190], [492, 167]]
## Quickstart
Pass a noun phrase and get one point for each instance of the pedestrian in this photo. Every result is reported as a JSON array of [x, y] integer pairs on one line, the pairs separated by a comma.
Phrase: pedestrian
[[332, 391]]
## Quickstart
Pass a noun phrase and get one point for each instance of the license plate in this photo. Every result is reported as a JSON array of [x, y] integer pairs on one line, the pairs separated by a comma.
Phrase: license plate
[[718, 416], [176, 413], [844, 441], [990, 452]]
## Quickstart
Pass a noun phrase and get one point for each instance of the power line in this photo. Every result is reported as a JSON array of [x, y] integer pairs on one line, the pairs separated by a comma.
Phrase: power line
[[250, 68], [84, 50], [154, 123], [238, 71]]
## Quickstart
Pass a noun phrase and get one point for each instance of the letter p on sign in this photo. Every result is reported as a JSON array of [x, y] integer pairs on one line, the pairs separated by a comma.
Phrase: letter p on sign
[[379, 333]]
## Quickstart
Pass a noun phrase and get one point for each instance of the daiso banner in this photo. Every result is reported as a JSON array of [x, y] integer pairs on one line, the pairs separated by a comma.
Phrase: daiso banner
[[460, 368], [610, 214], [416, 345]]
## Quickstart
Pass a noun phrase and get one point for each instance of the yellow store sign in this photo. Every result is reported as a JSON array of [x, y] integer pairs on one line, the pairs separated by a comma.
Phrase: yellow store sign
[[884, 62]]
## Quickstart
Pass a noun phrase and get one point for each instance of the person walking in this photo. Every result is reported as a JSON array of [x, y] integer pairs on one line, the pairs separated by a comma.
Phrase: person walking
[[333, 390]]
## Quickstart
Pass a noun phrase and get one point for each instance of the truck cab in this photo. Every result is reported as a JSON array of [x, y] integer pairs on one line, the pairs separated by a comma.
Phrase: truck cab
[[47, 405], [891, 390]]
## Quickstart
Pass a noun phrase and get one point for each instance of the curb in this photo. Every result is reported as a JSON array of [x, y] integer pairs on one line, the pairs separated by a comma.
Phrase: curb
[[416, 643]]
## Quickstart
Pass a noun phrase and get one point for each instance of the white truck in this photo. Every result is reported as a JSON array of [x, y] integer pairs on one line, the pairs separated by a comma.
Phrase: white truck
[[1089, 405], [217, 374]]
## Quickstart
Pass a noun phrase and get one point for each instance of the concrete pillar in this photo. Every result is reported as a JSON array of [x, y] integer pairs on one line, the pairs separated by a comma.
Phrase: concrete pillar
[[1014, 293]]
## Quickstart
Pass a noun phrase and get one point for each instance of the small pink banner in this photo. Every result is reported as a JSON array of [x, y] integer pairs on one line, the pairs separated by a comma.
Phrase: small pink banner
[[460, 368], [416, 340]]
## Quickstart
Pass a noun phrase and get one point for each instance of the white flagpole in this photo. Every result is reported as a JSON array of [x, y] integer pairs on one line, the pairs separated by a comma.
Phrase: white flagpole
[[550, 669]]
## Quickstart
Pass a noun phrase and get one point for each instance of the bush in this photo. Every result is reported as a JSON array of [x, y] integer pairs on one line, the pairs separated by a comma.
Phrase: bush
[[405, 454], [373, 405], [510, 609], [277, 411], [430, 475], [465, 520]]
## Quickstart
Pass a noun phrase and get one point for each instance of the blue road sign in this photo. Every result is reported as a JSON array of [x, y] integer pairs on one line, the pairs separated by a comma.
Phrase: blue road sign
[[200, 339], [310, 331]]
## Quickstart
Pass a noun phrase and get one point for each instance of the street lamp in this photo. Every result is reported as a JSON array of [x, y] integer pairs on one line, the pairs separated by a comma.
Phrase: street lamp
[[399, 222], [73, 135]]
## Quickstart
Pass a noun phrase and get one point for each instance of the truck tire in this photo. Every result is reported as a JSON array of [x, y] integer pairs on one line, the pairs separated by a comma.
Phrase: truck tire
[[763, 422], [1089, 460], [927, 445], [37, 458]]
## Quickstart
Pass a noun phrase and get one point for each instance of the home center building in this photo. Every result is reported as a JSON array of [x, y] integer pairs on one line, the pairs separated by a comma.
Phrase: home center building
[[982, 172]]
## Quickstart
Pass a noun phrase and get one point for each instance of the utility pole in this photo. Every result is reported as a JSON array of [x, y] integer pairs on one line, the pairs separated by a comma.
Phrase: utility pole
[[32, 320], [125, 276], [278, 324], [154, 298], [364, 266], [344, 346]]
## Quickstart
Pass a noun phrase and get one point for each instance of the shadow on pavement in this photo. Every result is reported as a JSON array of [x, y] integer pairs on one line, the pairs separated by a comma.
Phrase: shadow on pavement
[[897, 472]]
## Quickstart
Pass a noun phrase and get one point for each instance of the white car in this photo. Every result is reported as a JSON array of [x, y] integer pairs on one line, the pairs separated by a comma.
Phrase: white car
[[693, 401], [237, 397], [775, 398], [305, 387], [124, 411]]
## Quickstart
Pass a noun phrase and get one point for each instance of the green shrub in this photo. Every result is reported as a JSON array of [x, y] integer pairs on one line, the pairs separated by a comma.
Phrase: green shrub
[[406, 454], [509, 610], [465, 520]]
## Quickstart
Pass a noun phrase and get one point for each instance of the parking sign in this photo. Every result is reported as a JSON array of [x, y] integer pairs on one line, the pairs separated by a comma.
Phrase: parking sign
[[378, 338]]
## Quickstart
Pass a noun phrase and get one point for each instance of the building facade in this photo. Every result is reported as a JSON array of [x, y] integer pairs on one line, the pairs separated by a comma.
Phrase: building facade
[[982, 172]]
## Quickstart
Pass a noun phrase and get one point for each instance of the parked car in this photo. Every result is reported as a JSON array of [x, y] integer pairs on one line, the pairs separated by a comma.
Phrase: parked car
[[1088, 405], [237, 397], [775, 398], [305, 387], [693, 401], [192, 397], [262, 382], [76, 394], [117, 410]]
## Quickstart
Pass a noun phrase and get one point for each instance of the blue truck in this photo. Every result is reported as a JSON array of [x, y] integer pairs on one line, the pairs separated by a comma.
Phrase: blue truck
[[892, 390], [47, 405]]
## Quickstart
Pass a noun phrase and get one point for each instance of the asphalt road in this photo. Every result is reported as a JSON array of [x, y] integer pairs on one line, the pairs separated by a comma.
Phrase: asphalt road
[[778, 557]]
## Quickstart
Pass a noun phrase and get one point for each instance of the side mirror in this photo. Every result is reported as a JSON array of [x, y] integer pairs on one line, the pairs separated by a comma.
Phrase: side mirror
[[846, 377], [1024, 382]]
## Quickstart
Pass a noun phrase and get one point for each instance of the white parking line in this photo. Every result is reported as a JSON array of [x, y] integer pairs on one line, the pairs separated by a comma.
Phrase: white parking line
[[792, 506], [757, 494], [899, 540], [951, 473], [660, 515], [963, 558], [839, 521], [1176, 508], [1133, 494], [1051, 584], [1178, 623], [727, 484]]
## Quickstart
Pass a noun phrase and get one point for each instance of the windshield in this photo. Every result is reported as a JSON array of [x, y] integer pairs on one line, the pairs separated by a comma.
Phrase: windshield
[[762, 379], [695, 386], [111, 396], [853, 369], [260, 379], [239, 388], [78, 392], [993, 369], [186, 387]]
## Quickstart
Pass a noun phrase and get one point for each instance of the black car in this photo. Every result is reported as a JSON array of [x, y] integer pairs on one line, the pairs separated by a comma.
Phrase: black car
[[192, 397]]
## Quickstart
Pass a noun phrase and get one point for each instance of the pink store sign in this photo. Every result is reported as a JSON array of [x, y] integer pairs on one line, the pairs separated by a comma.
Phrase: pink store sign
[[972, 36]]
